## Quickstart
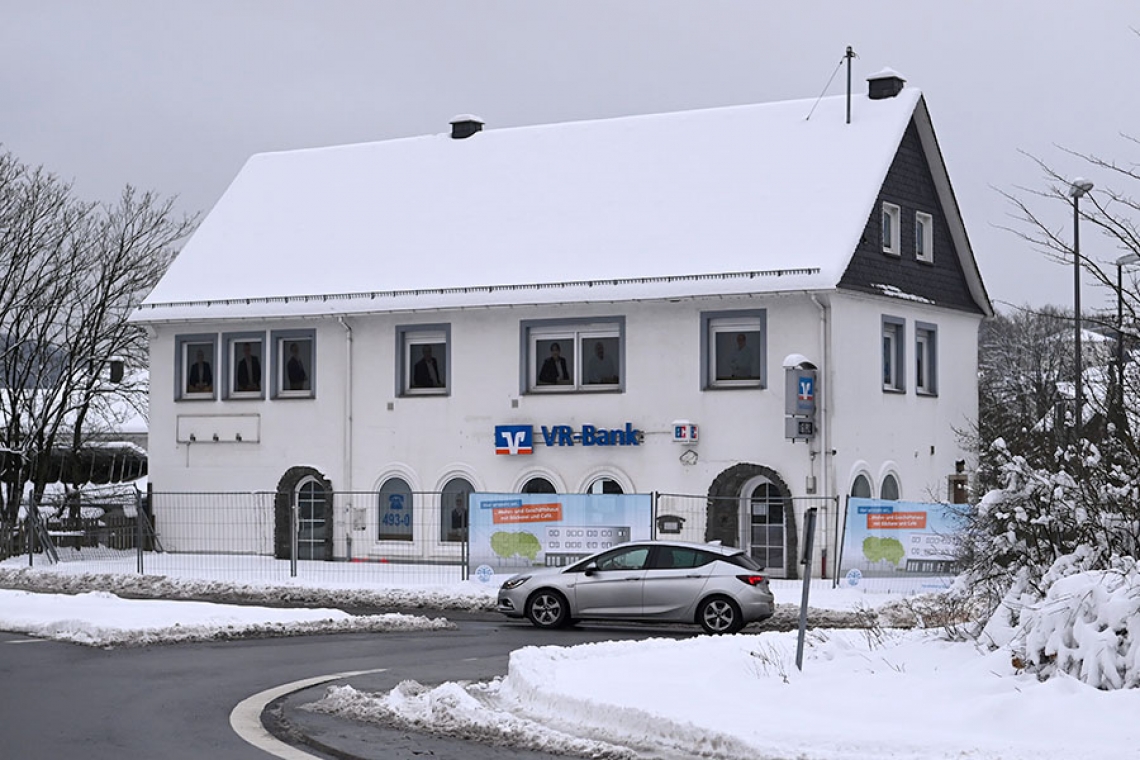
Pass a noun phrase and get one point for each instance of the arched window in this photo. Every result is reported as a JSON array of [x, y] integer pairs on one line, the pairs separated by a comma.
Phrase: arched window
[[395, 511], [861, 488], [890, 488], [538, 485], [453, 509], [312, 520], [604, 486]]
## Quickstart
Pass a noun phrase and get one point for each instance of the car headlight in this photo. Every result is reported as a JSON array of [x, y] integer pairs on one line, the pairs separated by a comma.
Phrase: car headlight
[[515, 582]]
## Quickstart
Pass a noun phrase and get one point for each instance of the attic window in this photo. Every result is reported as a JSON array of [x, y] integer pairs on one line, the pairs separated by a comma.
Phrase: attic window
[[891, 215], [924, 237]]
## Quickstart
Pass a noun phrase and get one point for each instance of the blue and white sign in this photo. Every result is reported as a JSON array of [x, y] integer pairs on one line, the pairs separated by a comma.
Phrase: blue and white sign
[[513, 440]]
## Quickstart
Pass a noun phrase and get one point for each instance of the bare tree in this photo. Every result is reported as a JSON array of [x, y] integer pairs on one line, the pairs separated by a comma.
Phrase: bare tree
[[70, 274]]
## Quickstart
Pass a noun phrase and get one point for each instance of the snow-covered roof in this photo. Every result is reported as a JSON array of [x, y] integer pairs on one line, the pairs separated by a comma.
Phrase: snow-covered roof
[[638, 207]]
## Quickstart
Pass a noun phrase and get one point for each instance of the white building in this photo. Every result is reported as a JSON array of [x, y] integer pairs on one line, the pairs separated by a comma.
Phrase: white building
[[701, 251]]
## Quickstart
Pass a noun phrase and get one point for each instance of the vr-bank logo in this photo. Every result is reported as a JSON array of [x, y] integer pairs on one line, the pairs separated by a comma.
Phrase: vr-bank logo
[[514, 439]]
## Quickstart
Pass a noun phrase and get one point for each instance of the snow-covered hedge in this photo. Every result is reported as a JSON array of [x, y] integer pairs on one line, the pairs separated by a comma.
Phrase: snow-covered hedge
[[1087, 625]]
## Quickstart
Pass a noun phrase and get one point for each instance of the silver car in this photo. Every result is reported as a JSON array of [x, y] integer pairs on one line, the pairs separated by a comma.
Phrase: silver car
[[719, 587]]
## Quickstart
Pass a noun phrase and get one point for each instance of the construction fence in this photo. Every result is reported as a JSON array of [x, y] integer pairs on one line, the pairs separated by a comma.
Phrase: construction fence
[[352, 539]]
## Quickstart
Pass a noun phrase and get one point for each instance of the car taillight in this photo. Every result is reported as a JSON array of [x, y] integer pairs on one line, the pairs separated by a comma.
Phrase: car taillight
[[753, 580]]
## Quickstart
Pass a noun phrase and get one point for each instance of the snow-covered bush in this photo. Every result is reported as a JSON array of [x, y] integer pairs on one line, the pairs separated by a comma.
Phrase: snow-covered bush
[[1080, 502], [1087, 624]]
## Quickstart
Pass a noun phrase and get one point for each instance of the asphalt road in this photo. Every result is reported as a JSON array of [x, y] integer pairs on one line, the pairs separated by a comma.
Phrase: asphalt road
[[175, 701]]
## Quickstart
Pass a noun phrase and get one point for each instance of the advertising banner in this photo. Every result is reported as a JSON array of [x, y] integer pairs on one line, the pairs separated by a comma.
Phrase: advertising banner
[[909, 543], [509, 532]]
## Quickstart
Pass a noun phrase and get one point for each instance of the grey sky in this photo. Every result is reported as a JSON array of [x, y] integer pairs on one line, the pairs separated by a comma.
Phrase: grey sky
[[175, 96]]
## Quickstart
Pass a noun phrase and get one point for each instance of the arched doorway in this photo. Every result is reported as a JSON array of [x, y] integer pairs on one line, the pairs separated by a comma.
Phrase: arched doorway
[[750, 506], [313, 494]]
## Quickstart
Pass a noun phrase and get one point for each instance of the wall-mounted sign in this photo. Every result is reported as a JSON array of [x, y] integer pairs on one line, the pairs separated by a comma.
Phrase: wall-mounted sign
[[519, 439], [684, 432], [800, 390], [514, 439]]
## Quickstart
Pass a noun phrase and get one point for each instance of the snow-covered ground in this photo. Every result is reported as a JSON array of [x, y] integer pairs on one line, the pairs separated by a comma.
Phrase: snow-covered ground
[[875, 692]]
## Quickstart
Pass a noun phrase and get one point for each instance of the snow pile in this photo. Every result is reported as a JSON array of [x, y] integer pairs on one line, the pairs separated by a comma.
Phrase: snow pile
[[1087, 625], [64, 578], [99, 618], [902, 695]]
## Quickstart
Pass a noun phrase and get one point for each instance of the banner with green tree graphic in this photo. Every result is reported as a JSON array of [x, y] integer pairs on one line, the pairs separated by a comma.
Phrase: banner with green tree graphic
[[898, 540], [512, 531]]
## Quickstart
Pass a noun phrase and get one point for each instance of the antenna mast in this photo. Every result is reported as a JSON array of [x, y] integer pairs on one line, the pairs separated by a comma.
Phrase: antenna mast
[[849, 55]]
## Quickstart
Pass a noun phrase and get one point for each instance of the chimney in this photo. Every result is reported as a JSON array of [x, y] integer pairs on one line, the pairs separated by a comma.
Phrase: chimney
[[885, 84], [464, 126]]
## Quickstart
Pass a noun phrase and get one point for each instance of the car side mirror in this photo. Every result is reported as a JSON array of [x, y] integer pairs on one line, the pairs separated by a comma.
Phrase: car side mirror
[[590, 569]]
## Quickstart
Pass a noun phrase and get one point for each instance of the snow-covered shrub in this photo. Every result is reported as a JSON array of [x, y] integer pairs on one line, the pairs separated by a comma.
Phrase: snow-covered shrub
[[1080, 502], [1087, 624]]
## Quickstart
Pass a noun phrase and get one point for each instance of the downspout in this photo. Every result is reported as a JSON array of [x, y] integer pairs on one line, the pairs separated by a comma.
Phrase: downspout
[[347, 474], [824, 426]]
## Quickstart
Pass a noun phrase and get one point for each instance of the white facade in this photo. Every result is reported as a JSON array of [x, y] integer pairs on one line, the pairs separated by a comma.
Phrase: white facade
[[358, 424]]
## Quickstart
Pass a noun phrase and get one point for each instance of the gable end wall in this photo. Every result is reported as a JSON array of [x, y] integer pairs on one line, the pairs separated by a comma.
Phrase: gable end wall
[[910, 186]]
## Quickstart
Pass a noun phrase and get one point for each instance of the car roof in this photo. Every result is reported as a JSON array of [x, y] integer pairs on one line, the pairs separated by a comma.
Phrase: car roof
[[716, 548]]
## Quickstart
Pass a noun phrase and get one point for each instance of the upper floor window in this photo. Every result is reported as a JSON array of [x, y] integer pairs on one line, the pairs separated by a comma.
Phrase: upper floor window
[[925, 359], [424, 359], [924, 237], [574, 355], [891, 221], [894, 354], [244, 355], [734, 349], [294, 355], [195, 363]]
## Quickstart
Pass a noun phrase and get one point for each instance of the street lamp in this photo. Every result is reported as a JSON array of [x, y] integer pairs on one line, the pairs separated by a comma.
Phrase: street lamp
[[1079, 187], [1123, 261]]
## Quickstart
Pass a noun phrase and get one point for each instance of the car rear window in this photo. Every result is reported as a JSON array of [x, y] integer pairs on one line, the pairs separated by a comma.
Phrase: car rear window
[[743, 560]]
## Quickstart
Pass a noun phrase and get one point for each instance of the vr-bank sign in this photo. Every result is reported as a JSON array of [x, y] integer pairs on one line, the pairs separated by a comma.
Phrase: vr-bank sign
[[519, 439]]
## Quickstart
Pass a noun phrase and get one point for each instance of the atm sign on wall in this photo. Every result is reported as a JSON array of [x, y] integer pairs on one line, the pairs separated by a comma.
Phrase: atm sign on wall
[[512, 440]]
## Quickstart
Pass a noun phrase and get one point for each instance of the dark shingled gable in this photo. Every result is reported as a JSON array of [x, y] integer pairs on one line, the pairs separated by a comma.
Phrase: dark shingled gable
[[910, 186]]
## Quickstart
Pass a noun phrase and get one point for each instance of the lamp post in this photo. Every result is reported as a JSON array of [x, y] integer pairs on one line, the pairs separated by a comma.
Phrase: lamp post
[[1123, 261], [1079, 188]]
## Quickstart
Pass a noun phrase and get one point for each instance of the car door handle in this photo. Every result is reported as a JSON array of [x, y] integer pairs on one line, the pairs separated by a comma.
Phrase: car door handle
[[634, 578], [695, 575]]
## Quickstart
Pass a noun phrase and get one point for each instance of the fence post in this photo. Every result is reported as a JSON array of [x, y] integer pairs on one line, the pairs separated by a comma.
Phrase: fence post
[[294, 527], [139, 533]]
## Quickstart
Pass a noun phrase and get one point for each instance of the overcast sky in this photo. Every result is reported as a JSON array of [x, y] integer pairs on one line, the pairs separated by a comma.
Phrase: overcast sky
[[175, 96]]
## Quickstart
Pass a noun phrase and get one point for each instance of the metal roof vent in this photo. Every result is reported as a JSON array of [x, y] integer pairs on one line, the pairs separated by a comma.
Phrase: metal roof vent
[[885, 84], [464, 126]]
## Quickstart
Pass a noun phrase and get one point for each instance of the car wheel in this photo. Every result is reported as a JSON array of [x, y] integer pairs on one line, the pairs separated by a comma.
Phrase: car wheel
[[548, 609], [719, 615]]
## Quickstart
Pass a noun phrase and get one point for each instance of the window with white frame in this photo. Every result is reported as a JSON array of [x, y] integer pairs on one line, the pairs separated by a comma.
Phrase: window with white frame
[[294, 362], [424, 359], [195, 361], [925, 359], [734, 348], [453, 509], [894, 354], [244, 357], [861, 487], [924, 237], [574, 356], [395, 511], [892, 217], [889, 491]]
